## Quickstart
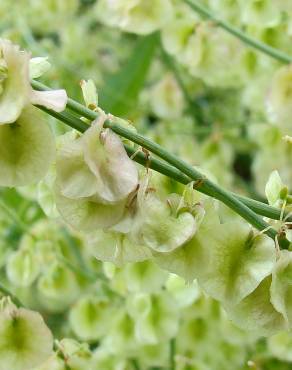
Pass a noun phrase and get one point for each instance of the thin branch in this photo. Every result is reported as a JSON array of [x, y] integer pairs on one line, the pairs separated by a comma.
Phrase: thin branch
[[7, 292], [135, 364], [172, 351], [258, 45]]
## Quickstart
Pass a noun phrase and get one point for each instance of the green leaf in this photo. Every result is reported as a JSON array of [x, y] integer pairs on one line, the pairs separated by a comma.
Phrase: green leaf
[[121, 90]]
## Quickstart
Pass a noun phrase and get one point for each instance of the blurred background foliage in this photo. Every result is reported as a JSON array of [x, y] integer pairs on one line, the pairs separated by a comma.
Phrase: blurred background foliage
[[211, 112]]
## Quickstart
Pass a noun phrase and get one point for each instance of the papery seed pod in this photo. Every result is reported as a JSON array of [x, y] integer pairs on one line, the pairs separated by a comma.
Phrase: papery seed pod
[[116, 174], [58, 287], [38, 66], [90, 318], [104, 359], [139, 17], [74, 178], [15, 89], [280, 95], [23, 267], [167, 100], [281, 287], [144, 277], [14, 73], [256, 312], [280, 346], [26, 149], [25, 340], [116, 247], [156, 317], [184, 294], [87, 214], [238, 262], [77, 356], [190, 260], [158, 226], [121, 336], [95, 165]]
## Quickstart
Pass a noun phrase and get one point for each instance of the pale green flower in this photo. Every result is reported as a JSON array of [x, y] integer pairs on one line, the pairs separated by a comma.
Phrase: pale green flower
[[281, 287], [159, 225], [38, 66], [166, 98], [26, 149], [45, 194], [77, 355], [90, 318], [25, 340], [154, 356], [280, 95], [256, 312], [14, 81], [190, 260], [86, 214], [96, 164], [116, 247], [280, 345], [120, 339], [144, 277], [15, 89], [238, 261], [137, 16], [104, 359], [262, 13], [58, 287], [156, 317], [184, 294], [23, 267]]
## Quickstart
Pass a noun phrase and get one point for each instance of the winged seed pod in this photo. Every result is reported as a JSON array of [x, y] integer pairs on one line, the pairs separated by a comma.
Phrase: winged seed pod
[[256, 312], [104, 153], [158, 225], [85, 214], [23, 267], [156, 317], [116, 247], [144, 277], [238, 261], [137, 16], [95, 164], [281, 287], [90, 318], [280, 95], [15, 89], [190, 259], [27, 149], [25, 340]]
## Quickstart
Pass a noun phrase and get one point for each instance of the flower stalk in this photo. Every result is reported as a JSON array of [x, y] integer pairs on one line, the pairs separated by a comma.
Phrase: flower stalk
[[255, 44], [175, 167]]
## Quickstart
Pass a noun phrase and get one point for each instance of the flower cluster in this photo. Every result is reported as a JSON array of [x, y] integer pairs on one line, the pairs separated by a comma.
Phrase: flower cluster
[[126, 265]]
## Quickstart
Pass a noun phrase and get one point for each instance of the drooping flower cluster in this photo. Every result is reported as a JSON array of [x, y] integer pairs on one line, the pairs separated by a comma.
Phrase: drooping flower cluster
[[167, 252]]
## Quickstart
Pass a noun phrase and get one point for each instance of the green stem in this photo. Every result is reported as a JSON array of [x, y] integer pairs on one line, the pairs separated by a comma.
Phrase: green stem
[[202, 184], [172, 351], [12, 296], [13, 216], [135, 364], [258, 45]]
